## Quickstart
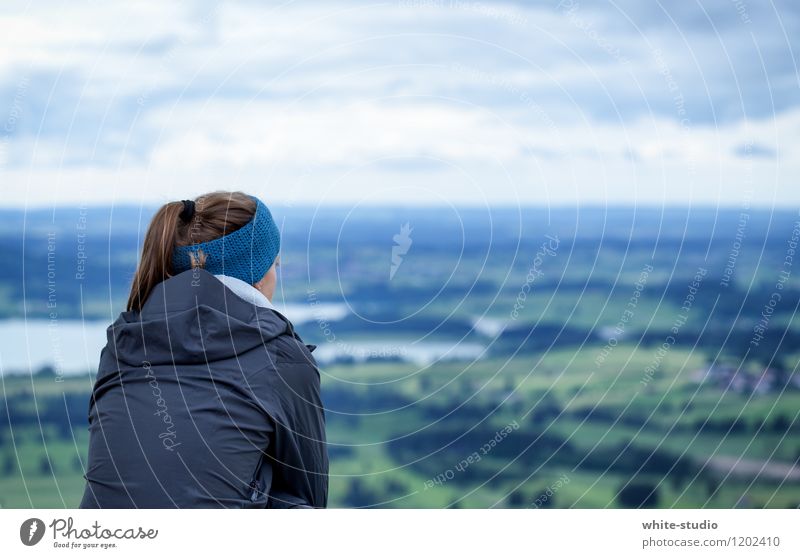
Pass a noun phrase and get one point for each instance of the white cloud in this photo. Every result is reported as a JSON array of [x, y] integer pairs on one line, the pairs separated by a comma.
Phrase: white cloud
[[527, 101]]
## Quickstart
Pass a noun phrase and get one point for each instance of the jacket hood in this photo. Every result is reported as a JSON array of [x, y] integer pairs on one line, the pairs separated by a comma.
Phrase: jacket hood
[[192, 318]]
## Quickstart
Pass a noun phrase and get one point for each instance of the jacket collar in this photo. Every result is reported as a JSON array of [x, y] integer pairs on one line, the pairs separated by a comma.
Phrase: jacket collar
[[245, 291], [192, 317]]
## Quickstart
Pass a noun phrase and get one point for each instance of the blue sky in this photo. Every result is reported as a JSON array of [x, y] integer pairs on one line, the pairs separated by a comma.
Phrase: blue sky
[[417, 102]]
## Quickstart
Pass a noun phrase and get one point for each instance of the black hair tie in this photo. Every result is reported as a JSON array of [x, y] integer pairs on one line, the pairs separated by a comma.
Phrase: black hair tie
[[188, 211]]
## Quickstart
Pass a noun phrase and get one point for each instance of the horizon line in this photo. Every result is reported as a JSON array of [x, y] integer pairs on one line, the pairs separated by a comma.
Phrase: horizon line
[[393, 205]]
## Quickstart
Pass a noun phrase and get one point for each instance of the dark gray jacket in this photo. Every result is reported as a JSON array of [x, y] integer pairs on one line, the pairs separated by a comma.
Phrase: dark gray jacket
[[205, 400]]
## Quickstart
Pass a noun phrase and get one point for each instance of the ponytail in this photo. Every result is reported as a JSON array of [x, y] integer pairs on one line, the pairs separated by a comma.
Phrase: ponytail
[[156, 264]]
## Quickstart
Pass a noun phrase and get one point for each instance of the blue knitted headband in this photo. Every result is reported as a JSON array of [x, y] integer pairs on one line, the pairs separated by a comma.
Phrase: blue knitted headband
[[246, 253]]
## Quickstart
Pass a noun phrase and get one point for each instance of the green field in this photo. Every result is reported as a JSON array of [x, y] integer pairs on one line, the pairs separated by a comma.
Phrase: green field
[[380, 456]]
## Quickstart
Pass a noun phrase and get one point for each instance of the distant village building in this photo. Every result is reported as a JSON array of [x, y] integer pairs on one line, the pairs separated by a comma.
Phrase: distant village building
[[739, 380]]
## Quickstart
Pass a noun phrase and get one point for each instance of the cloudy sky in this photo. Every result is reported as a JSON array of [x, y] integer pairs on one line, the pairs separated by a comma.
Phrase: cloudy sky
[[431, 102]]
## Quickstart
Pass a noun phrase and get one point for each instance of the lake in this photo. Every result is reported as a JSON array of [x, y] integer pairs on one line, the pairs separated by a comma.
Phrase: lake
[[73, 346]]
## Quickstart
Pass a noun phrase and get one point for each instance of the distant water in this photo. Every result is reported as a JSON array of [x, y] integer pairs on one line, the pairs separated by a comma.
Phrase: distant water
[[323, 311], [490, 327], [69, 346], [73, 346], [421, 353]]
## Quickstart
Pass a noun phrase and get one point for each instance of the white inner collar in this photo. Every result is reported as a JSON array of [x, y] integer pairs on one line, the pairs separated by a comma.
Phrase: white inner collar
[[245, 291]]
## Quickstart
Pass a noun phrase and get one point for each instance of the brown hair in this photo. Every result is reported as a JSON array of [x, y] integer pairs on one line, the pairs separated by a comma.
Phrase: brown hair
[[216, 214]]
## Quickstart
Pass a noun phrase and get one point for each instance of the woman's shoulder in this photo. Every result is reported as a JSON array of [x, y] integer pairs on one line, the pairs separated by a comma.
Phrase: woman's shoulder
[[290, 376], [290, 347]]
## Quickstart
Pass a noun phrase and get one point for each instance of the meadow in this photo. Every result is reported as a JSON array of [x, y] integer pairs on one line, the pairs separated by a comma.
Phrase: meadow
[[607, 374]]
